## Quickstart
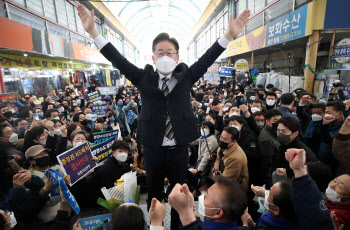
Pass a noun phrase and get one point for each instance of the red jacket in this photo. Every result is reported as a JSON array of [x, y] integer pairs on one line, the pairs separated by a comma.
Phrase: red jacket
[[342, 212]]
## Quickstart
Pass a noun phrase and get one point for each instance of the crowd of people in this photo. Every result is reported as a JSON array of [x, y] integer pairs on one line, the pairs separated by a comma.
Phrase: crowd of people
[[282, 156]]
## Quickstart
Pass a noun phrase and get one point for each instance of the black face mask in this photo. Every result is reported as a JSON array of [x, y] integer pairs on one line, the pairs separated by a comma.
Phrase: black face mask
[[42, 162], [274, 126], [223, 145], [83, 122], [261, 96], [8, 114]]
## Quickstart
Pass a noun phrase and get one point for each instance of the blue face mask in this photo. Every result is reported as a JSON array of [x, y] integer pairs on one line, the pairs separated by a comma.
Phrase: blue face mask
[[41, 115], [120, 104], [23, 127], [111, 120], [126, 103]]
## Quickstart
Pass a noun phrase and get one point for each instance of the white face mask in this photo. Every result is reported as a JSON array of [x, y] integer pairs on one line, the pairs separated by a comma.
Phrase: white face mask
[[56, 119], [225, 109], [233, 114], [294, 113], [252, 98], [58, 132], [74, 104], [327, 115], [211, 100], [260, 124], [246, 75], [75, 144], [279, 96], [255, 109], [270, 102], [189, 154], [266, 203], [205, 132], [225, 94], [89, 116], [333, 195], [165, 65], [13, 138], [78, 102], [237, 127], [316, 117], [121, 157], [43, 142], [61, 109], [13, 111], [201, 207]]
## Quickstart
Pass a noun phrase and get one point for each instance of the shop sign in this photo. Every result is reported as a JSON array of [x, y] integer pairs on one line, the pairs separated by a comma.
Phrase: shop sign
[[226, 71], [288, 27], [6, 97], [241, 64], [21, 62], [341, 56]]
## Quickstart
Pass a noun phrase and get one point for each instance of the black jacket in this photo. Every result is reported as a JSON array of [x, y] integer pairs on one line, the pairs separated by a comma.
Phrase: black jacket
[[155, 106], [280, 161]]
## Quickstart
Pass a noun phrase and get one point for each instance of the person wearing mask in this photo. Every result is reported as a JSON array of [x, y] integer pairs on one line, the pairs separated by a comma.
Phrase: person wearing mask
[[8, 113], [20, 124], [221, 207], [312, 137], [271, 101], [288, 136], [8, 140], [332, 123], [51, 114], [269, 87], [231, 161], [269, 145], [287, 102], [37, 157], [121, 112], [39, 113], [249, 144], [259, 118], [81, 119], [167, 123], [256, 106], [280, 212]]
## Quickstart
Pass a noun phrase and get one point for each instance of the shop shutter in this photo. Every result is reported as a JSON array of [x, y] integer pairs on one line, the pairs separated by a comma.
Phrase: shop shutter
[[61, 12], [71, 17], [25, 18], [35, 5], [50, 11], [21, 2]]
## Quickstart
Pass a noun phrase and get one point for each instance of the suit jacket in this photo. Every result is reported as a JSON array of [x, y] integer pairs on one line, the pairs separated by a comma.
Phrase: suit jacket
[[155, 106]]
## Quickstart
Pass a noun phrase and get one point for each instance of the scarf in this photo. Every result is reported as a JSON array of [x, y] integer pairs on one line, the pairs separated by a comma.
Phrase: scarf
[[310, 128], [211, 225], [276, 223]]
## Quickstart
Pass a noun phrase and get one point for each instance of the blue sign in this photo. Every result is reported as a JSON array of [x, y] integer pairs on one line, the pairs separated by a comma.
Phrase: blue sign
[[108, 90], [65, 191], [90, 222], [337, 15], [94, 96], [342, 51], [130, 117], [27, 86], [333, 64], [286, 28], [226, 71], [104, 136], [104, 150], [100, 110]]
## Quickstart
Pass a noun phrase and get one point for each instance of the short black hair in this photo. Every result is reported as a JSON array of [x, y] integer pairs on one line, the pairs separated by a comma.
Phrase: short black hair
[[23, 112], [287, 99], [76, 116], [320, 106], [271, 94], [235, 200], [338, 106], [119, 144], [18, 120], [284, 201], [291, 123], [128, 217], [259, 113], [210, 126], [269, 86], [239, 119], [271, 113], [233, 131], [2, 127], [49, 111], [212, 114], [165, 37], [127, 139], [320, 173]]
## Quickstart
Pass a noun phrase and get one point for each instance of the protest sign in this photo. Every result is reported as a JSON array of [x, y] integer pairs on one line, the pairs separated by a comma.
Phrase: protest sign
[[104, 150], [130, 117], [100, 110], [77, 162], [108, 90], [104, 136], [94, 96], [90, 222], [58, 179]]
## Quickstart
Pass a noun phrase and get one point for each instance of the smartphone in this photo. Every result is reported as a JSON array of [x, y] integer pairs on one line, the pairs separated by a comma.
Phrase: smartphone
[[15, 167], [53, 98]]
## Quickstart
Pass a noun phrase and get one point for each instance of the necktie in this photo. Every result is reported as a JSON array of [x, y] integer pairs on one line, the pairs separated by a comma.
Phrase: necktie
[[168, 127]]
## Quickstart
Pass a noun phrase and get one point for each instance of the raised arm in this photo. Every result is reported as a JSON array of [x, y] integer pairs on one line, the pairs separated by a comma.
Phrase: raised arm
[[130, 71]]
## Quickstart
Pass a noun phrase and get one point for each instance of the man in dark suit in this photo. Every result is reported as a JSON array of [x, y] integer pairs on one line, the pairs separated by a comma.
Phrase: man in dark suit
[[166, 123]]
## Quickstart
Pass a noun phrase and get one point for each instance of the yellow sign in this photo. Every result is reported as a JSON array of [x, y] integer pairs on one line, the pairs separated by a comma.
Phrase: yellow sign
[[21, 62], [241, 64]]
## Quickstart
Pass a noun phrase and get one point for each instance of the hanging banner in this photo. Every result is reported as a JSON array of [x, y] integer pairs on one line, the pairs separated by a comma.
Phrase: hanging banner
[[77, 162], [100, 110], [226, 71], [27, 86], [103, 150], [288, 27], [108, 90], [90, 222], [68, 196], [104, 136], [94, 96]]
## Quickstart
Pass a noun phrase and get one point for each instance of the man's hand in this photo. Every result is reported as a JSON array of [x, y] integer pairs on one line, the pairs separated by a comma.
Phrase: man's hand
[[156, 213], [281, 171], [88, 21], [245, 110], [297, 159], [336, 224], [49, 126], [247, 219], [328, 119], [64, 130], [345, 129], [66, 179], [77, 226], [236, 26], [98, 126], [304, 99], [21, 178], [16, 157], [48, 183], [194, 171], [259, 191], [181, 199], [347, 104]]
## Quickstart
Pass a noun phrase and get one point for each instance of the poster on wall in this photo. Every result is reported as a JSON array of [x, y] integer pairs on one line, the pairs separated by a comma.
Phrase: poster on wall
[[27, 86]]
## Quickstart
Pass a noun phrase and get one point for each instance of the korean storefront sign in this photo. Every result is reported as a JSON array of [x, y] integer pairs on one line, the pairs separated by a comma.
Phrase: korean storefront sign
[[341, 56], [286, 28]]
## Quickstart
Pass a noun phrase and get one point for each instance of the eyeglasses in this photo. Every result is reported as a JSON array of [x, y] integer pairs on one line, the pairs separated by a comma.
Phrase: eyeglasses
[[169, 54]]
